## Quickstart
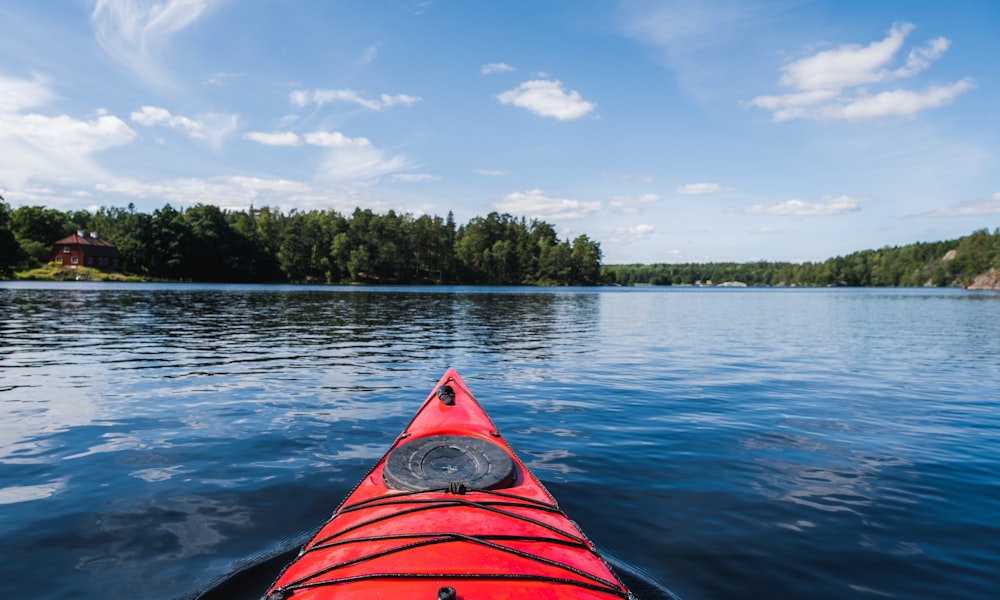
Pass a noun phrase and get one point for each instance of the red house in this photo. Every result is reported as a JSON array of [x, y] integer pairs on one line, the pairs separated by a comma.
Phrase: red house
[[87, 251]]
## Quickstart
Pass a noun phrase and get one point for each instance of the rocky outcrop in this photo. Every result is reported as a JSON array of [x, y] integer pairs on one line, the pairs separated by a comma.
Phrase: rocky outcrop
[[990, 280]]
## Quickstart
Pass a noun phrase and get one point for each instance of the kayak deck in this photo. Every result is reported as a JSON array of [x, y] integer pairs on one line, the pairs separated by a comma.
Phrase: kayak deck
[[449, 513]]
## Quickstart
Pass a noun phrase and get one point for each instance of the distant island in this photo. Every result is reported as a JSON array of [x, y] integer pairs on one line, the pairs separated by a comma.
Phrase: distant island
[[970, 262], [206, 243]]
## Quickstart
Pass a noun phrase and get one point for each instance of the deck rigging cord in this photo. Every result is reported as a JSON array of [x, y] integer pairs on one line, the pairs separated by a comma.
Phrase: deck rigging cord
[[495, 502]]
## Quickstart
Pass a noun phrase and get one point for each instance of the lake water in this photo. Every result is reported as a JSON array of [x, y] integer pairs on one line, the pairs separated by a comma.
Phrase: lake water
[[713, 443]]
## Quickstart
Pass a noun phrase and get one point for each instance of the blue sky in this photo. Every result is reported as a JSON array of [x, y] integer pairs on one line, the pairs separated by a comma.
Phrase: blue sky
[[669, 131]]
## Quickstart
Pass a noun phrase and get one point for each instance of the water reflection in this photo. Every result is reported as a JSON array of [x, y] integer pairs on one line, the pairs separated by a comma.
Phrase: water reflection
[[731, 443], [74, 357]]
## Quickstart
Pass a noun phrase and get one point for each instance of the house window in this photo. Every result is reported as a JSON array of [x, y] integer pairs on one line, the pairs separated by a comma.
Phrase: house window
[[65, 249], [90, 260], [59, 260], [76, 260]]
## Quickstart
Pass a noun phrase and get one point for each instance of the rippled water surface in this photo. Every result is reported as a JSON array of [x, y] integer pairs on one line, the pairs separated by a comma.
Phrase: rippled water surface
[[714, 443]]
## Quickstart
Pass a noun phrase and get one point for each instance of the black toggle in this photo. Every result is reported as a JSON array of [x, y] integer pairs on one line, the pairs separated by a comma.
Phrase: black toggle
[[446, 395], [447, 593]]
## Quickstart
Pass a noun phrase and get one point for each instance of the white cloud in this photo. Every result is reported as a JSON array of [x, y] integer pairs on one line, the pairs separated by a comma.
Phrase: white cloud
[[701, 189], [829, 85], [394, 99], [151, 115], [268, 185], [239, 192], [796, 101], [921, 58], [274, 138], [897, 102], [978, 208], [491, 172], [797, 208], [211, 127], [415, 177], [628, 235], [631, 204], [347, 158], [235, 192], [335, 139], [18, 94], [135, 32], [303, 98], [495, 68], [548, 99], [535, 204], [60, 148], [846, 66]]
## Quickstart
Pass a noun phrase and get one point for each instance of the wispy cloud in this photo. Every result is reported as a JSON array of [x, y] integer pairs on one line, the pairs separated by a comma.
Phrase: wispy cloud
[[699, 40], [369, 56], [491, 172], [495, 68], [351, 159], [701, 189], [547, 98], [536, 204], [319, 97], [975, 208], [222, 78], [135, 32], [831, 84], [797, 208]]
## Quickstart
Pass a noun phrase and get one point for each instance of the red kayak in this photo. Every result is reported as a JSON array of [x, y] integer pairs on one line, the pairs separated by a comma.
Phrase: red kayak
[[449, 513]]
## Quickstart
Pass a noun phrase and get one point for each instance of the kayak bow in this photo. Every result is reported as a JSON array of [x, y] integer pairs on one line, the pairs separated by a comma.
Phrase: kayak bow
[[449, 513]]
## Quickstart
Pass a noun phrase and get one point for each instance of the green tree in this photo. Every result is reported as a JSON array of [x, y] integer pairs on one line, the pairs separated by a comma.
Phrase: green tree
[[36, 228], [9, 248], [586, 257]]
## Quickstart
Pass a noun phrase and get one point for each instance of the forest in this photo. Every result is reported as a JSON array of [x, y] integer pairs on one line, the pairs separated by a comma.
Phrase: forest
[[206, 243]]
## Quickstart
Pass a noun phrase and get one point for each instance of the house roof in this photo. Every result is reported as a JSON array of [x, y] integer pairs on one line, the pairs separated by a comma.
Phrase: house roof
[[90, 246]]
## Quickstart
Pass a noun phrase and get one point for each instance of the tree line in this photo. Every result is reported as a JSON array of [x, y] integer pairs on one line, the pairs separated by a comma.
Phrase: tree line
[[206, 243], [948, 263]]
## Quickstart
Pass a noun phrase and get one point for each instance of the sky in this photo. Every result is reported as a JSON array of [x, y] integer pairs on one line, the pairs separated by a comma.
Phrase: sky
[[667, 130]]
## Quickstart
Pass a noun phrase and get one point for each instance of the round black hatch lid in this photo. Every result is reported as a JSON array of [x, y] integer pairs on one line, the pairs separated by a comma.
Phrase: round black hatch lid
[[438, 461]]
